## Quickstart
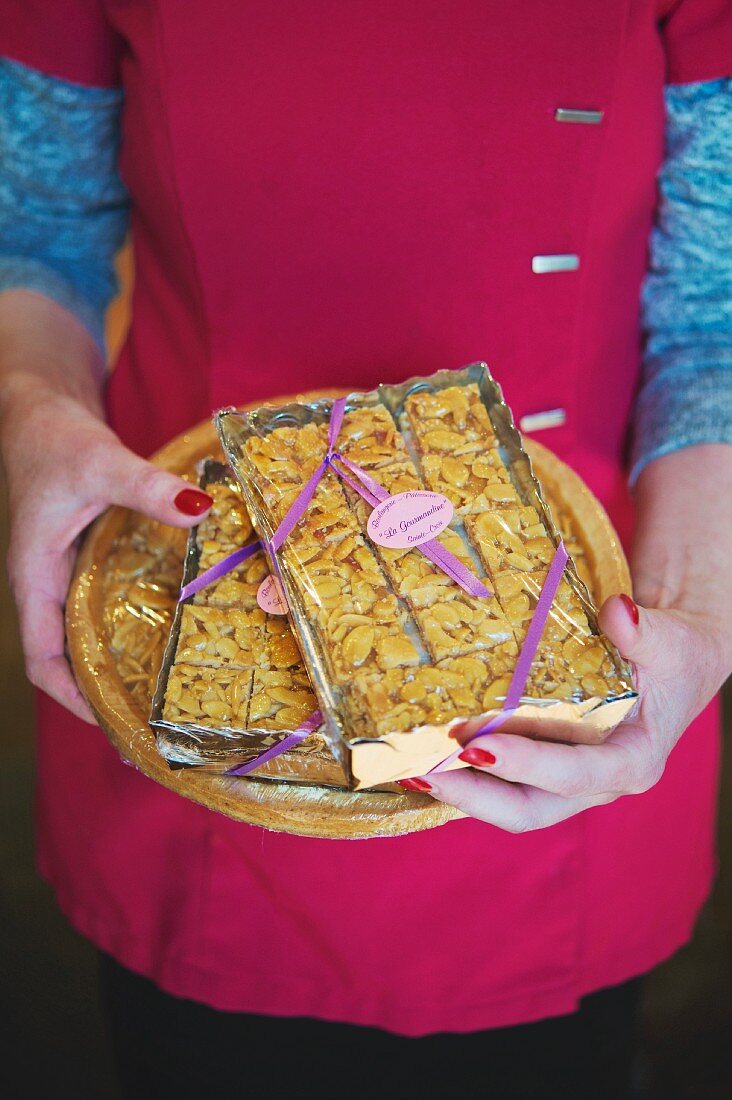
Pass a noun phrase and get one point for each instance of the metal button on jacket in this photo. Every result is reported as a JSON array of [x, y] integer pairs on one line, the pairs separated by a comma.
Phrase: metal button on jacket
[[573, 114], [539, 421], [544, 265]]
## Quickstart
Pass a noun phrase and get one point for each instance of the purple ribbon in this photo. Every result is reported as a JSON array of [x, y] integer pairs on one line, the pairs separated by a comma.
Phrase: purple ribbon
[[289, 742], [224, 566], [525, 657], [373, 494]]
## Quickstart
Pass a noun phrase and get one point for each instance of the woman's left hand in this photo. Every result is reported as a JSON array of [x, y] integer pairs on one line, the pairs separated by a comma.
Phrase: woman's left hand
[[679, 667], [680, 648]]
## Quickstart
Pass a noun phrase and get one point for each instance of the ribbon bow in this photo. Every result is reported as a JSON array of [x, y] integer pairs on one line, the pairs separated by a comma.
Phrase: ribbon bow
[[373, 494]]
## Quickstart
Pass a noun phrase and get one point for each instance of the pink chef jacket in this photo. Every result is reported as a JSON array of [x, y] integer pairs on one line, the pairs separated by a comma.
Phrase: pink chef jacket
[[345, 193]]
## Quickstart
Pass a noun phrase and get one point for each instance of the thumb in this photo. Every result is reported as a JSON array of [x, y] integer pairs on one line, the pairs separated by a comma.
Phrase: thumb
[[146, 488], [647, 638]]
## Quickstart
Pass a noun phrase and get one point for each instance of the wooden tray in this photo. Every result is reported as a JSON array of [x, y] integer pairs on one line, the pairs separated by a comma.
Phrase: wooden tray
[[287, 807]]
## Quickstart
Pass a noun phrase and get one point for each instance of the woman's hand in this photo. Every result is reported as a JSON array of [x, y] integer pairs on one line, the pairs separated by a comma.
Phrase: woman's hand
[[680, 645], [678, 669], [64, 467]]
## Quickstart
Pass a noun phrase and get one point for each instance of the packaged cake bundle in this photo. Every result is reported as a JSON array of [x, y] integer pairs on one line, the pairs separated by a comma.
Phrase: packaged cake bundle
[[232, 682], [426, 580]]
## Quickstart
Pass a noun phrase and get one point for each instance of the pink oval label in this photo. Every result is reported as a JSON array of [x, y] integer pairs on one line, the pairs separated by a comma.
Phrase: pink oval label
[[409, 519], [270, 596]]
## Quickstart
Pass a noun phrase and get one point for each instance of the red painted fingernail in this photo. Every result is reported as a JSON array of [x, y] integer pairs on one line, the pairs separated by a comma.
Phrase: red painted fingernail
[[192, 502], [481, 758], [631, 608], [415, 784]]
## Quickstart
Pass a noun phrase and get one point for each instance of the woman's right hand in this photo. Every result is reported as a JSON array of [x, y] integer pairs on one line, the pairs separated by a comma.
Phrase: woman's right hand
[[64, 466]]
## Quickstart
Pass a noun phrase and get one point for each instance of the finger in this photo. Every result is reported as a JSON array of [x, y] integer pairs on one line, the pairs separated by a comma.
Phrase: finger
[[55, 678], [625, 764], [513, 807], [42, 636], [650, 639], [156, 493]]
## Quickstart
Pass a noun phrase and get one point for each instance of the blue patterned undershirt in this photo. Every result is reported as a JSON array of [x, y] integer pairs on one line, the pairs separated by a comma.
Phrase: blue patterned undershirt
[[64, 214]]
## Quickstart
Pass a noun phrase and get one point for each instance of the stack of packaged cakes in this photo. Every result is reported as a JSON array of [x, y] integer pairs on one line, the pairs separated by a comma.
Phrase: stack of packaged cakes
[[425, 581]]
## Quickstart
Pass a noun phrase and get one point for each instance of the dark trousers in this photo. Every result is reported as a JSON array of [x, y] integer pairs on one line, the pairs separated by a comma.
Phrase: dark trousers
[[164, 1046]]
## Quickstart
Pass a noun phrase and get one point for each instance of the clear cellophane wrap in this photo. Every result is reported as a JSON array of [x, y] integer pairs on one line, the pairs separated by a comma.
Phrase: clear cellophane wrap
[[400, 655]]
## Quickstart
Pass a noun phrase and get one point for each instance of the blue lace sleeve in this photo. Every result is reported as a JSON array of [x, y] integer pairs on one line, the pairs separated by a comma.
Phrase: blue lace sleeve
[[63, 207], [686, 391]]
